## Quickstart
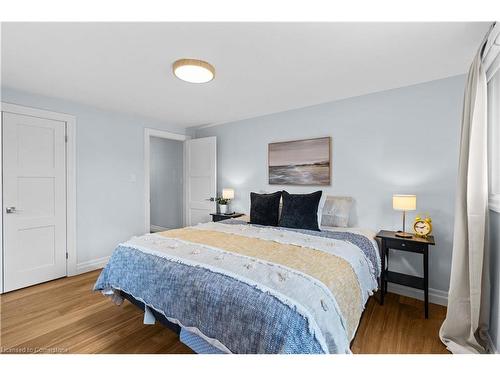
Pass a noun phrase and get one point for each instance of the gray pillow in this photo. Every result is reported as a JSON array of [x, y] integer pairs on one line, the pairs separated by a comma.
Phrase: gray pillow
[[336, 211]]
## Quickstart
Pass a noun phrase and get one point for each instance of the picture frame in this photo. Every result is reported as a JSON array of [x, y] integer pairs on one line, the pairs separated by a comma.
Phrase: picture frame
[[304, 162]]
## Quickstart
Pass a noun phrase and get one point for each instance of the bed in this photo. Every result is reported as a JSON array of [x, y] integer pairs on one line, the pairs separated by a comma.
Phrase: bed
[[234, 287]]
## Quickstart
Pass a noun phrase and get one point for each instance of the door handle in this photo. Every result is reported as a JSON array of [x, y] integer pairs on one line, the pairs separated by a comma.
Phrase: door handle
[[10, 210]]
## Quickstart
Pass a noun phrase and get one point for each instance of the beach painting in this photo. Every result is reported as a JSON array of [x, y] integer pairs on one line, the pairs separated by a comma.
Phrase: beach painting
[[304, 162]]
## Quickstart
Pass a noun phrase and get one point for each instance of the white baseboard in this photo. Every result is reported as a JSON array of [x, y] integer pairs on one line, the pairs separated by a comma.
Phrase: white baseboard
[[157, 228], [439, 297], [491, 345], [91, 265]]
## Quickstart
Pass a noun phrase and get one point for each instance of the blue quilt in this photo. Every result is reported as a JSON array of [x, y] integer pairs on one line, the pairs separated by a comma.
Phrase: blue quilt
[[219, 306], [242, 317]]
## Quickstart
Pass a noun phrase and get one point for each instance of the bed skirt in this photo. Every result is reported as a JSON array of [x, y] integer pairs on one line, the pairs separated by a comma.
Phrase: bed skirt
[[191, 340]]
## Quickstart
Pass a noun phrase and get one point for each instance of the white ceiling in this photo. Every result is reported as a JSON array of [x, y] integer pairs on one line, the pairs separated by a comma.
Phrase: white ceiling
[[261, 68]]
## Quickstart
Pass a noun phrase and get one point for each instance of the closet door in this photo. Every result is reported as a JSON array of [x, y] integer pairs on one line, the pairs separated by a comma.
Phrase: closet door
[[34, 200], [201, 173]]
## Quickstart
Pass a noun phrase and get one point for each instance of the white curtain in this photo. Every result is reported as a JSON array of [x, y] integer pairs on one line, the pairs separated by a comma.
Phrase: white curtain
[[467, 319]]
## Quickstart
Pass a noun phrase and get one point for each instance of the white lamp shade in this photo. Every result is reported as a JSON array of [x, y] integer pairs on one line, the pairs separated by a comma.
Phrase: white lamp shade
[[402, 202], [228, 193]]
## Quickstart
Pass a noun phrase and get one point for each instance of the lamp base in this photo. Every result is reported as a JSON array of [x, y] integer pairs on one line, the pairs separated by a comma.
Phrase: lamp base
[[403, 234]]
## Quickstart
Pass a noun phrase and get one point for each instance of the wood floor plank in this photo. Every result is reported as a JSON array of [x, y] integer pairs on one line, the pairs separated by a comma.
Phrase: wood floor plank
[[399, 327], [66, 316], [86, 329]]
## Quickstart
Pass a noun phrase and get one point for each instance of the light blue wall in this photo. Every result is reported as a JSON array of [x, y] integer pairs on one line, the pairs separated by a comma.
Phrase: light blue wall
[[494, 278], [166, 182], [109, 172], [398, 141]]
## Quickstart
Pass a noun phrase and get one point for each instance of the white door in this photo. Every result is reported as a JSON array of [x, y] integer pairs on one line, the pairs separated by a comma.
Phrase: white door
[[201, 173], [34, 200]]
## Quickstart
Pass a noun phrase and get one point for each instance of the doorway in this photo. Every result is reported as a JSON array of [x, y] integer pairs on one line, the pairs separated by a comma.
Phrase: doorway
[[166, 184], [164, 180]]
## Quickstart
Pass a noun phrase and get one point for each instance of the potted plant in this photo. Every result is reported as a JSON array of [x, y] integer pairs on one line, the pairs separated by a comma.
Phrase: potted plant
[[223, 202]]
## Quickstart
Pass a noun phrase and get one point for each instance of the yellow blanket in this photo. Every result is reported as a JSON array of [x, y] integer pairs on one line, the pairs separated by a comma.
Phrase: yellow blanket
[[333, 271]]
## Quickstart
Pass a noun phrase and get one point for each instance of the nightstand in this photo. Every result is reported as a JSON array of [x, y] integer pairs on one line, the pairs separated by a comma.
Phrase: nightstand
[[414, 244], [219, 217]]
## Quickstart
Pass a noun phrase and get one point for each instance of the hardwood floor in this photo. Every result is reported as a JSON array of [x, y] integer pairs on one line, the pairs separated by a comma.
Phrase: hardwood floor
[[399, 327], [65, 316]]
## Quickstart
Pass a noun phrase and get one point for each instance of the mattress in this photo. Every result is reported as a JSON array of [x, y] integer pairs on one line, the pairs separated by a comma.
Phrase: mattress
[[234, 287]]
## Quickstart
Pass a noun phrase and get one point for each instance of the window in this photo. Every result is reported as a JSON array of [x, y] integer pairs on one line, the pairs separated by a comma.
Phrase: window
[[494, 136]]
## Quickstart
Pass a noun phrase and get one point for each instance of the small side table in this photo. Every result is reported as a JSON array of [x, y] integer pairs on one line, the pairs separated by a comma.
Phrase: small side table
[[219, 217], [414, 245]]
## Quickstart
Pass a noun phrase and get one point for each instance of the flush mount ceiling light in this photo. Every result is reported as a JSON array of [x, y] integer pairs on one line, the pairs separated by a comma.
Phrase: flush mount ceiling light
[[194, 71]]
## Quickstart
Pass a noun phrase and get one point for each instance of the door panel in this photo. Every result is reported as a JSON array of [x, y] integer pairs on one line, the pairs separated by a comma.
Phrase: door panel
[[40, 238], [34, 165], [201, 171], [200, 185]]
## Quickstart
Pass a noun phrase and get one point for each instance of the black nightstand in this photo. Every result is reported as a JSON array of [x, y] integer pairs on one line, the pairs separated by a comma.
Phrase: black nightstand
[[219, 217], [414, 245]]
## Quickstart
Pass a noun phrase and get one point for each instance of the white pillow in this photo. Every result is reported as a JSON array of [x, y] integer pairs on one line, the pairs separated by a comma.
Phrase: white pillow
[[321, 205], [336, 211]]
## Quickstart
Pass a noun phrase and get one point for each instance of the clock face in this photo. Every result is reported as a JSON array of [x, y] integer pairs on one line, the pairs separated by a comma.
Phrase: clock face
[[422, 228]]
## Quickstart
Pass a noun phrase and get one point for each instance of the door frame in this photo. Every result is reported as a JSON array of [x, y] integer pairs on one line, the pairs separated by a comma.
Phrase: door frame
[[70, 120], [148, 133]]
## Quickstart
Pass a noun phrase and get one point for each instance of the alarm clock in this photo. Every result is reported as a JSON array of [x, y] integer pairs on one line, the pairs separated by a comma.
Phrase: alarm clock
[[422, 227]]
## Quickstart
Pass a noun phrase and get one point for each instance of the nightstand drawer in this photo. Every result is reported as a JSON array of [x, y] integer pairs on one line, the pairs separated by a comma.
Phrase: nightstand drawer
[[404, 245]]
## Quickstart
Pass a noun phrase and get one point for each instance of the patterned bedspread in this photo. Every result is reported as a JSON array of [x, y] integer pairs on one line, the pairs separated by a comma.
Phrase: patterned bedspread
[[251, 289]]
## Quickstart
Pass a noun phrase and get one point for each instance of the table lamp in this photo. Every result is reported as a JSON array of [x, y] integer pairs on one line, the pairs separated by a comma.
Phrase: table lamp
[[401, 202], [228, 193]]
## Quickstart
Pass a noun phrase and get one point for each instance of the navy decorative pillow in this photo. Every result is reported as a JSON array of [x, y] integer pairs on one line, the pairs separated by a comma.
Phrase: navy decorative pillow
[[264, 208], [300, 210]]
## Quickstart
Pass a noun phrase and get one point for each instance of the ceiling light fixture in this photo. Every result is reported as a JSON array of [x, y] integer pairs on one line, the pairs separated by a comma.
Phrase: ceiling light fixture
[[194, 71]]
